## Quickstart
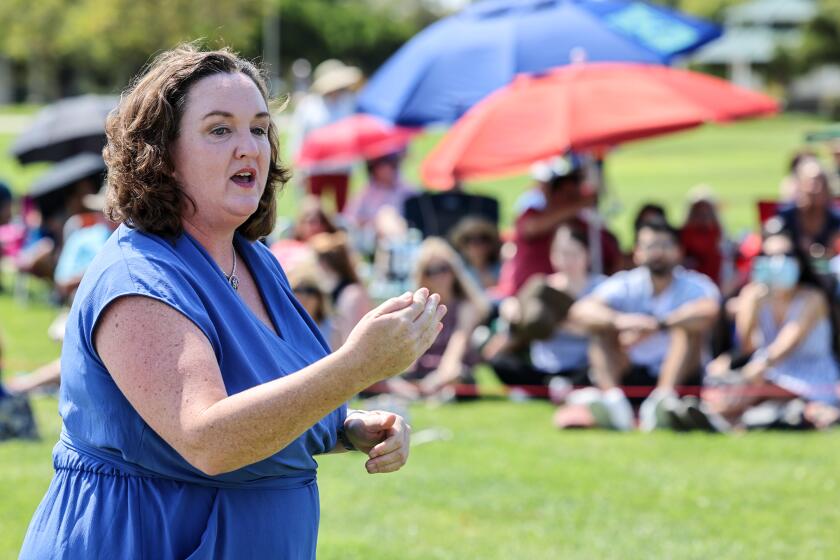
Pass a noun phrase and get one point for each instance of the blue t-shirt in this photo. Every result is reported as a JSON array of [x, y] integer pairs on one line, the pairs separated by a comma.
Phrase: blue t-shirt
[[631, 291], [79, 251]]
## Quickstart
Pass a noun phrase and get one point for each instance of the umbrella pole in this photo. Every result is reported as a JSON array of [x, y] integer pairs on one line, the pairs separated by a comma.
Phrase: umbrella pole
[[596, 262], [595, 175]]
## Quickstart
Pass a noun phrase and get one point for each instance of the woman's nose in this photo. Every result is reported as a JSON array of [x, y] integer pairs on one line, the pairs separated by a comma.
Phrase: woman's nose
[[246, 146]]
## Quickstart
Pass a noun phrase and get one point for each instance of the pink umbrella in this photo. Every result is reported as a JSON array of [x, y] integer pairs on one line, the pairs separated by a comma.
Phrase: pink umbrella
[[352, 138], [582, 107]]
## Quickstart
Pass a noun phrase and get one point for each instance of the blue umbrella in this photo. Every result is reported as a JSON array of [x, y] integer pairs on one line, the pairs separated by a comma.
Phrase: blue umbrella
[[455, 62]]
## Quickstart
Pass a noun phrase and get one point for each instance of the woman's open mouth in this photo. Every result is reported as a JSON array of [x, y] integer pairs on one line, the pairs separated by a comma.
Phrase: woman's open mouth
[[244, 178]]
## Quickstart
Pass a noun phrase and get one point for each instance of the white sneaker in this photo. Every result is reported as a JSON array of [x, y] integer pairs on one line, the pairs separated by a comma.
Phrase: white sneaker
[[613, 410], [559, 389], [653, 413], [585, 396]]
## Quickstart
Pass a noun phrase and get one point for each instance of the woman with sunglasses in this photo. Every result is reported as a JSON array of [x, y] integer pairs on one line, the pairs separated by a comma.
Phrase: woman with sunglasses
[[450, 359], [783, 324], [304, 282], [337, 271], [477, 241]]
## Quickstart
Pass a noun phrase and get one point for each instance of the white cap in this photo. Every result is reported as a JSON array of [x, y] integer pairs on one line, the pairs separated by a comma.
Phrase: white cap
[[548, 169]]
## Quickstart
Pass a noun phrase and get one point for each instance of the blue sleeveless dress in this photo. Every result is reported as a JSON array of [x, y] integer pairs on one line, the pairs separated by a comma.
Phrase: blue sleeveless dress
[[119, 490]]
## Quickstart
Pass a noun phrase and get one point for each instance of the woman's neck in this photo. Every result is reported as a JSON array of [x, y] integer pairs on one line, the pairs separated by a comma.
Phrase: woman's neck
[[216, 242]]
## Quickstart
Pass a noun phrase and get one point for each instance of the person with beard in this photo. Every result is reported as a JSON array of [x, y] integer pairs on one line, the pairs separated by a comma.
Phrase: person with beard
[[646, 328]]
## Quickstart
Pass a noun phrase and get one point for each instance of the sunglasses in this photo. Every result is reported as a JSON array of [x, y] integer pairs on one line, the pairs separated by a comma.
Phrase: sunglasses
[[479, 238], [307, 291], [436, 270]]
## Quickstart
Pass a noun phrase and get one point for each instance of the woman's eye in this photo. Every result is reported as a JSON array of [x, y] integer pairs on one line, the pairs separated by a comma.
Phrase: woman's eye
[[220, 131], [259, 131]]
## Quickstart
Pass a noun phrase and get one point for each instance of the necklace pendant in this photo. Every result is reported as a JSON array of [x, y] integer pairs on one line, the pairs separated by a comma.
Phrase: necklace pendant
[[234, 282]]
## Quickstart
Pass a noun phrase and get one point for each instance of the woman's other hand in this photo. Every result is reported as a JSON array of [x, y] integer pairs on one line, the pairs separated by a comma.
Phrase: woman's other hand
[[391, 337], [383, 436]]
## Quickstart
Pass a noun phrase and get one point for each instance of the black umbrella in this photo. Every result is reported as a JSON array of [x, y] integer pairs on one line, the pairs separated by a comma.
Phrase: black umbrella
[[66, 128], [51, 189], [68, 172]]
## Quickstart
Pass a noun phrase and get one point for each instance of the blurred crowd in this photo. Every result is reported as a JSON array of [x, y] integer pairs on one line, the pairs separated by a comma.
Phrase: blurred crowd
[[689, 330]]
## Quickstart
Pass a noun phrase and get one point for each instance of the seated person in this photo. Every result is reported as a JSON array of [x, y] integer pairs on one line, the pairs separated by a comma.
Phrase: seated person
[[304, 282], [338, 276], [311, 220], [701, 238], [385, 188], [647, 326], [812, 221], [530, 357], [450, 359], [80, 247], [785, 338], [556, 199], [477, 242]]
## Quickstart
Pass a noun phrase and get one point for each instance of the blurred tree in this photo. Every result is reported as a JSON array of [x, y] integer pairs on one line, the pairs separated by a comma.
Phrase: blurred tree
[[84, 45], [822, 38], [362, 32], [70, 46]]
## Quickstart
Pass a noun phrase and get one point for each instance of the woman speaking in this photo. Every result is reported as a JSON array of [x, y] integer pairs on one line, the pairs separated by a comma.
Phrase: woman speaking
[[195, 389]]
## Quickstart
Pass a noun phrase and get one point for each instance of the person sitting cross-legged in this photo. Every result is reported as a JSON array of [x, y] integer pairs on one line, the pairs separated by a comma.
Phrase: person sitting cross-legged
[[646, 327]]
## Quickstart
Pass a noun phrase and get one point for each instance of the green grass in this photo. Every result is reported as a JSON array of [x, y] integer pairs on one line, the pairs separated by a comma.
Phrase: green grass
[[507, 485]]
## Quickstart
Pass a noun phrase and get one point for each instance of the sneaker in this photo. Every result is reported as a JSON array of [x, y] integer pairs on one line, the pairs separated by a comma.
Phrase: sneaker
[[677, 412], [653, 414], [559, 389], [592, 398], [613, 410], [706, 420]]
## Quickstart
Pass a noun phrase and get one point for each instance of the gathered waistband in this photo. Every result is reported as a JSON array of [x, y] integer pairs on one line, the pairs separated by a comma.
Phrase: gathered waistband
[[77, 456]]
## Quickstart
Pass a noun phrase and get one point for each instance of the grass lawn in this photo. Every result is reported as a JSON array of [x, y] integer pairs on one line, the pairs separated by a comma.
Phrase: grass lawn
[[506, 485]]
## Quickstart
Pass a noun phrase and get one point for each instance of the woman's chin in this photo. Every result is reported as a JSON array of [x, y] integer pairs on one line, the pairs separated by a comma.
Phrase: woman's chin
[[242, 210]]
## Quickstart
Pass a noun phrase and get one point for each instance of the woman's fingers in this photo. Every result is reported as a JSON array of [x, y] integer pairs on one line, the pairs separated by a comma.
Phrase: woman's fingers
[[392, 453], [393, 459], [430, 329], [391, 443], [387, 463], [394, 304]]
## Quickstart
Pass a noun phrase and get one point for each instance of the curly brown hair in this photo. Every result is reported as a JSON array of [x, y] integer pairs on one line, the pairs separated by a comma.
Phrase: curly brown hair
[[142, 191]]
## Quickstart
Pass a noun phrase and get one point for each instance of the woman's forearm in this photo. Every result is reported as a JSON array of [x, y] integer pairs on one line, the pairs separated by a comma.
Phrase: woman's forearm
[[252, 425]]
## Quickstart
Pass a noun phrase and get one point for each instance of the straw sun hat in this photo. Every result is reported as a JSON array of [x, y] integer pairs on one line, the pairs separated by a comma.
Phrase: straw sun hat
[[333, 75]]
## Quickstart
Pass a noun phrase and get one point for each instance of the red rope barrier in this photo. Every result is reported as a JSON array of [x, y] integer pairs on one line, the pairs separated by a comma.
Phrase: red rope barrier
[[633, 392]]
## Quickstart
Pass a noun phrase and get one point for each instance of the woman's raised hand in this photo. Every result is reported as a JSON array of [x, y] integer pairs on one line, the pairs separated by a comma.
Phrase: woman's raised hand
[[390, 337]]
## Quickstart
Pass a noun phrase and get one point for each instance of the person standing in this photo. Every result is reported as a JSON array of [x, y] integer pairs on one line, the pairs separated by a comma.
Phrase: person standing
[[196, 390], [331, 98]]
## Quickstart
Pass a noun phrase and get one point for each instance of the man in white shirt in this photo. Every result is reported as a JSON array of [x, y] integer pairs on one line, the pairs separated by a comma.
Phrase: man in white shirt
[[648, 323]]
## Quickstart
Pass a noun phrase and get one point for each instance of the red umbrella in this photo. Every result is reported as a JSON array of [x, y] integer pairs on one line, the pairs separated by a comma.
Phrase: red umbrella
[[354, 137], [582, 107]]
